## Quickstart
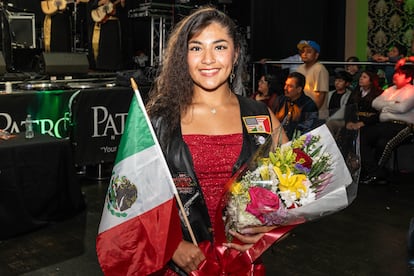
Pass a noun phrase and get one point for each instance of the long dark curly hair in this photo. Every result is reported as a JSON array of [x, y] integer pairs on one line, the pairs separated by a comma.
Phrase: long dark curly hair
[[172, 91], [375, 88]]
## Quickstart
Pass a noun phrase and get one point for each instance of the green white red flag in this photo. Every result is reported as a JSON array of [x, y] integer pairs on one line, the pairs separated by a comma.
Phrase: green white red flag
[[140, 226]]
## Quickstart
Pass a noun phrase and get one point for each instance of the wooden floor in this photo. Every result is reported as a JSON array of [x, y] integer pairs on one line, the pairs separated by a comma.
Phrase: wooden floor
[[367, 238]]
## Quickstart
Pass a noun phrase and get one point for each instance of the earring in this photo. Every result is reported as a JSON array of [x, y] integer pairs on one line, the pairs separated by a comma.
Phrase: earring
[[232, 75]]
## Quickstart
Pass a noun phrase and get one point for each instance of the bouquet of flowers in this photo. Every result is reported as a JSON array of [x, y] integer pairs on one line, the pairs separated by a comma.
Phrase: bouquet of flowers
[[289, 184], [282, 185]]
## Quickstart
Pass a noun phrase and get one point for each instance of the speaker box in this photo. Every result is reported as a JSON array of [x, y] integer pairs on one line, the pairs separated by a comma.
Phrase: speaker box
[[55, 63], [3, 69], [22, 30]]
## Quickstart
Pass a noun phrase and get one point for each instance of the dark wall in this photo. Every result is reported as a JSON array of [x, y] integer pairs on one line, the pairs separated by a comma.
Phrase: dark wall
[[272, 27], [277, 26], [31, 6]]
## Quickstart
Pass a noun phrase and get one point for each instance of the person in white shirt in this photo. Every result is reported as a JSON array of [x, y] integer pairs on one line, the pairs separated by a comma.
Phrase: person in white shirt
[[293, 63], [396, 107], [396, 103]]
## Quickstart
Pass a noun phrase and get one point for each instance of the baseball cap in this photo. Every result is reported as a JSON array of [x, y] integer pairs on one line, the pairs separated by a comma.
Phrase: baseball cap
[[309, 43]]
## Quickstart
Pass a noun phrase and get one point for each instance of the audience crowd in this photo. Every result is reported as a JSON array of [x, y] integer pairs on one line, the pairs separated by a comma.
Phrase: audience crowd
[[375, 102]]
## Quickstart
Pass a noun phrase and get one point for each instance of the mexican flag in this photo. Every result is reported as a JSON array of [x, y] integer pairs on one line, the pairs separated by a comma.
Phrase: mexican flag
[[140, 227]]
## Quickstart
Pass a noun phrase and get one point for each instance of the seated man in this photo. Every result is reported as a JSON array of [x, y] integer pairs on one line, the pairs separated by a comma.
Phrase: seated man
[[338, 98], [295, 110], [396, 106]]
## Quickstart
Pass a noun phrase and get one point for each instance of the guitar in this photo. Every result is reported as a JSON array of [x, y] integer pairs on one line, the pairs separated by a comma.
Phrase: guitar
[[101, 13], [50, 7]]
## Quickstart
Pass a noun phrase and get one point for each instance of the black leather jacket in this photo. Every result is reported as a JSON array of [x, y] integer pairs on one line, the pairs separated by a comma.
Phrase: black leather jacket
[[181, 166]]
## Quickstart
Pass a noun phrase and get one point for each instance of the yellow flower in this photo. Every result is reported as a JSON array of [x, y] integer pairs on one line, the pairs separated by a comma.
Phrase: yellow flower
[[289, 182], [283, 158], [237, 189], [264, 161], [264, 172]]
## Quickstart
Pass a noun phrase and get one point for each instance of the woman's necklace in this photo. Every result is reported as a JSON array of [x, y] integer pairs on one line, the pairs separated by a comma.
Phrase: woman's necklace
[[213, 110]]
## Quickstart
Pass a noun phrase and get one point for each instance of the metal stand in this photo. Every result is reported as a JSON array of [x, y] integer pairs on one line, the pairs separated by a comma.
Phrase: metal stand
[[158, 36], [75, 19], [161, 20], [6, 36], [78, 27], [99, 175]]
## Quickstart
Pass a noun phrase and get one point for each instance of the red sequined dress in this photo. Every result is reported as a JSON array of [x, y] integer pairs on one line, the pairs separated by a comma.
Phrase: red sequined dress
[[213, 158]]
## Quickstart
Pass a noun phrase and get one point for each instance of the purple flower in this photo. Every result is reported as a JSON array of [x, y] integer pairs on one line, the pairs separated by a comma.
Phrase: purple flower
[[301, 168], [308, 139]]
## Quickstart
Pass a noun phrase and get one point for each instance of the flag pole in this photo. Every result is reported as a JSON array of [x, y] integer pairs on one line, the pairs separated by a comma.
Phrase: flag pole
[[171, 181]]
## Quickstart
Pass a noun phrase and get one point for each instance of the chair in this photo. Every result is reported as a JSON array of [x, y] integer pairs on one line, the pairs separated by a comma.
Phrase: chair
[[403, 139]]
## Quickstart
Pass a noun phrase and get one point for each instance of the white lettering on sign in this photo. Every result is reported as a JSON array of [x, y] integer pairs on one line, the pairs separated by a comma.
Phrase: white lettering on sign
[[107, 149], [104, 122], [43, 126]]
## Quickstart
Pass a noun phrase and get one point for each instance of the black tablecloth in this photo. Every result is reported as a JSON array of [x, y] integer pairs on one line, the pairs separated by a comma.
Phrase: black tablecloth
[[93, 118], [38, 183]]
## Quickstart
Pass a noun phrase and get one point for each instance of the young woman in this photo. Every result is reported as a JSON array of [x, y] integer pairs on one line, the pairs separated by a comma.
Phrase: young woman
[[367, 90], [200, 121], [360, 114], [267, 90]]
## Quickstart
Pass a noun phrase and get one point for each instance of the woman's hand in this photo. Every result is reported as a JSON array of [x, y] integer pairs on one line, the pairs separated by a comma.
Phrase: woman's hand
[[248, 237], [188, 256]]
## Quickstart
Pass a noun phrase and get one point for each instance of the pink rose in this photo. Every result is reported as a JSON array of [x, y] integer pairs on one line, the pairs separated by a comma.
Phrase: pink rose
[[262, 202]]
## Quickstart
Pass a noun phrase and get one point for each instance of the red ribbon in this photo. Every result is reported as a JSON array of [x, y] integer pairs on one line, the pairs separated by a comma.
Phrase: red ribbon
[[221, 260]]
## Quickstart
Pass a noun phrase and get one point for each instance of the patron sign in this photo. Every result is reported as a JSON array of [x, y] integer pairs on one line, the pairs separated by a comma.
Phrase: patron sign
[[93, 119]]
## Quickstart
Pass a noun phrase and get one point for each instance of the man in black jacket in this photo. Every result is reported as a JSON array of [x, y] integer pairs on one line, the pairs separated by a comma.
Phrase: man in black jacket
[[295, 110]]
